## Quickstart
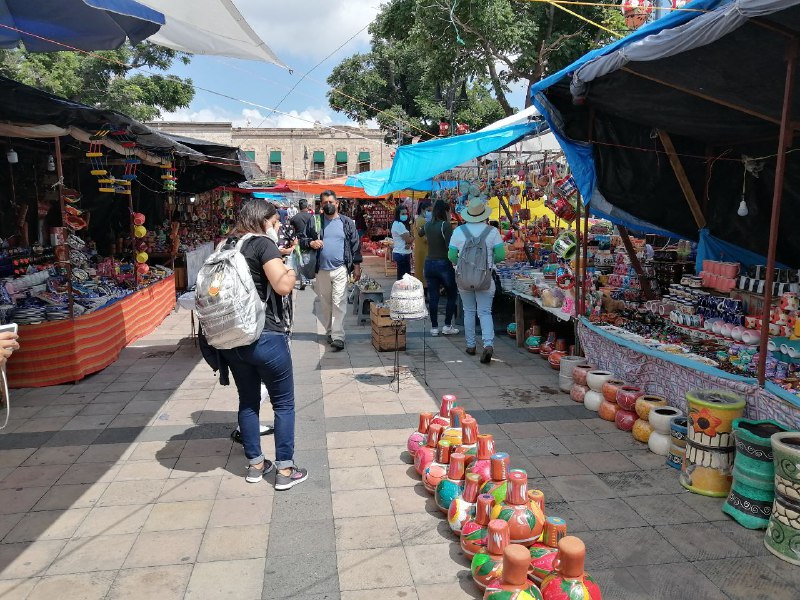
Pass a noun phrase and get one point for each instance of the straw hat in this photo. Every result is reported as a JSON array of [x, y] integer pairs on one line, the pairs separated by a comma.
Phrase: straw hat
[[476, 211]]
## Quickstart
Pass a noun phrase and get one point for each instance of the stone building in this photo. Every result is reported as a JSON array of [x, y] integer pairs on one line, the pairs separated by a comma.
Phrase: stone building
[[296, 153]]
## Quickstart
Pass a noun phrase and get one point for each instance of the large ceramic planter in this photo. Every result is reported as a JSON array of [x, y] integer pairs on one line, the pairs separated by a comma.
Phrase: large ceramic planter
[[592, 400], [580, 372], [565, 383], [660, 440], [568, 364], [783, 531], [595, 379], [627, 396], [641, 431], [708, 464], [578, 392], [647, 402], [625, 419], [753, 489], [677, 447], [610, 389], [417, 439]]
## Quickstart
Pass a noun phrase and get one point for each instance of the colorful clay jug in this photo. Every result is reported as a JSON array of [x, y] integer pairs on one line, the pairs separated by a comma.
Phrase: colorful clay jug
[[475, 530], [453, 432], [543, 553], [469, 438], [451, 486], [783, 531], [443, 418], [427, 454], [524, 516], [487, 564], [568, 581], [482, 465], [496, 486], [417, 439], [462, 507], [437, 470], [513, 583]]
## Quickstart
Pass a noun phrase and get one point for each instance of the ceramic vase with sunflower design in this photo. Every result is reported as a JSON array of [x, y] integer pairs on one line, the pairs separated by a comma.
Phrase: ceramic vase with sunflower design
[[783, 531], [708, 464]]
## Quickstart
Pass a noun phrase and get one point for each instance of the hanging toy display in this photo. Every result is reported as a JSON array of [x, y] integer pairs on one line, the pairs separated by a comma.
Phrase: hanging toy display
[[97, 159], [128, 143], [168, 176], [565, 278], [565, 245], [636, 12]]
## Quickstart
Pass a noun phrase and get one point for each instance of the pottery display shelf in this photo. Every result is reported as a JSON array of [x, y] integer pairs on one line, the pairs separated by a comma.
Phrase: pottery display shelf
[[520, 299]]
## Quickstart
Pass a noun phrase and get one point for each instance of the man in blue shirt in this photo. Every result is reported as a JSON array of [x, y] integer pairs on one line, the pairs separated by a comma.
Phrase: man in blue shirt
[[339, 256]]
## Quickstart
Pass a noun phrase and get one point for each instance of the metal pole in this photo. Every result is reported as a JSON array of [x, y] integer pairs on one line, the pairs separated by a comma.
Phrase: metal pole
[[585, 254], [60, 186], [784, 141]]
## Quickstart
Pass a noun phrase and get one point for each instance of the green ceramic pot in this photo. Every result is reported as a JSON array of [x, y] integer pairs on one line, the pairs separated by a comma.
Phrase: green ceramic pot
[[753, 490], [783, 531]]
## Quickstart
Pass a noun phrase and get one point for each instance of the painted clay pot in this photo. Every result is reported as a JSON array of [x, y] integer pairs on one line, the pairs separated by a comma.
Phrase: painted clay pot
[[437, 470], [578, 393], [624, 419], [427, 454], [677, 446], [568, 364], [453, 432], [610, 389], [580, 372], [499, 469], [482, 465], [568, 581], [511, 330], [708, 465], [753, 489], [487, 564], [453, 485], [513, 584], [561, 345], [417, 439], [463, 506], [627, 396], [544, 553], [596, 378], [641, 431], [647, 402], [592, 400], [607, 410], [525, 518], [443, 417], [659, 418], [469, 439], [475, 529], [555, 359], [783, 531]]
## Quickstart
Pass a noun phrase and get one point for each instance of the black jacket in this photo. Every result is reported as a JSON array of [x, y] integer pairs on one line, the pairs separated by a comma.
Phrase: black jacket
[[352, 245], [306, 231]]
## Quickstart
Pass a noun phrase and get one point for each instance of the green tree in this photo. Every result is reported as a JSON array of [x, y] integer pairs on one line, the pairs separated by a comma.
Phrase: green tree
[[108, 79]]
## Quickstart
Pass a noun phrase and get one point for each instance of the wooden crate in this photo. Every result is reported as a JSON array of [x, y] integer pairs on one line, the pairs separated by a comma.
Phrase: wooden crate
[[385, 340], [181, 283], [379, 315]]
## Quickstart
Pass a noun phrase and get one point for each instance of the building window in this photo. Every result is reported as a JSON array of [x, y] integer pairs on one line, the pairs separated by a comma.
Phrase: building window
[[318, 165], [363, 161], [275, 164], [341, 162], [251, 155]]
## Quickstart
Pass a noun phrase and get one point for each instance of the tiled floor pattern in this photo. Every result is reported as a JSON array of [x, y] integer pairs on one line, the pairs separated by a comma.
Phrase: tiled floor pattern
[[126, 484]]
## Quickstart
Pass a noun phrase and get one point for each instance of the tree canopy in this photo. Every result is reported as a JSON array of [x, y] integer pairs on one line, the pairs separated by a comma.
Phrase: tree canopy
[[107, 79], [423, 50]]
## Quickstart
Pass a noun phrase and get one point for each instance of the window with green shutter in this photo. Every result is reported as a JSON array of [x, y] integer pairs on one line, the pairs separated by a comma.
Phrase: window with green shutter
[[251, 154], [318, 164], [363, 156], [275, 156], [319, 156], [341, 157], [275, 166], [363, 161]]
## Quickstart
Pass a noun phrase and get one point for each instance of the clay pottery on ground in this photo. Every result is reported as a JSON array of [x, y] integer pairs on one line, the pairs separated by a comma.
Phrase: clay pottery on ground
[[753, 489], [487, 563], [482, 465], [453, 485], [568, 581], [580, 372], [659, 418], [596, 378], [568, 364], [463, 505], [677, 446], [417, 439], [627, 396], [708, 465], [513, 584], [475, 529], [592, 400], [561, 345], [555, 359], [443, 417], [437, 470], [427, 454], [783, 531], [610, 389], [525, 518], [453, 432], [565, 382], [497, 485], [469, 438], [624, 419], [607, 411], [641, 431], [544, 553], [578, 392], [647, 402]]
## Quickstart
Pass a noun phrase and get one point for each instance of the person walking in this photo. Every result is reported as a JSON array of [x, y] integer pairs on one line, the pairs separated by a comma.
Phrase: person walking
[[424, 215], [477, 301], [268, 360], [306, 231], [339, 257], [438, 269], [401, 236]]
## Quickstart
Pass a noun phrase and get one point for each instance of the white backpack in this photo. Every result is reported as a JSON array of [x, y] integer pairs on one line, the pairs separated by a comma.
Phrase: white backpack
[[229, 308]]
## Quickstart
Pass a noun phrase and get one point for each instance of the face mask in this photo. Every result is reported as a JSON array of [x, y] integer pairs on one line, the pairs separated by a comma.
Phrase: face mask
[[428, 217], [272, 234], [404, 218], [329, 209]]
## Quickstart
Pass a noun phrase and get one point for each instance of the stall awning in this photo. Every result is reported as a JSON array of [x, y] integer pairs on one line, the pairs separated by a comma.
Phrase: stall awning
[[341, 157], [363, 157], [316, 187], [318, 156], [275, 156]]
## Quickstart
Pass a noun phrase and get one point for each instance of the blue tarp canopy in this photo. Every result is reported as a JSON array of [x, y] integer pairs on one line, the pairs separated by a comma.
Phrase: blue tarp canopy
[[415, 164], [53, 25], [371, 179], [712, 80]]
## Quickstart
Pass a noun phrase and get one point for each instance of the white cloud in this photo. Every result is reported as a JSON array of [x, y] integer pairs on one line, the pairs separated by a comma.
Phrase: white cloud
[[250, 117]]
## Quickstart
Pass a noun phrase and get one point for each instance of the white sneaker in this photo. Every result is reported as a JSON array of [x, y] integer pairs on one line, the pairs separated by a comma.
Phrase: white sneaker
[[448, 330], [434, 332]]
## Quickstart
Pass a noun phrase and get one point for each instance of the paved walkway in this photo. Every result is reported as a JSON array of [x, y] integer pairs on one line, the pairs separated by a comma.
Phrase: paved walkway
[[127, 485]]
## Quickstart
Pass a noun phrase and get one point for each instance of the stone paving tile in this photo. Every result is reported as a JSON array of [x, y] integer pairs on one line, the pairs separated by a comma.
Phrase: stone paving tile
[[550, 466], [165, 583], [663, 509], [168, 516], [607, 462], [315, 536], [160, 548], [661, 583], [77, 586], [226, 579], [701, 541], [47, 525], [367, 532], [400, 593], [581, 487], [746, 579], [610, 513], [437, 563], [361, 503], [234, 543], [411, 499], [100, 553], [373, 569]]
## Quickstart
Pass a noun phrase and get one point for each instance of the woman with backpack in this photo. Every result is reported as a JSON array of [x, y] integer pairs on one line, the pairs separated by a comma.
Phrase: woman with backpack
[[439, 270], [268, 359], [401, 236], [474, 249]]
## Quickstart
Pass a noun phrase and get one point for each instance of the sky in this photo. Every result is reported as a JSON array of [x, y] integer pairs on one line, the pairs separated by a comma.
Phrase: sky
[[302, 33]]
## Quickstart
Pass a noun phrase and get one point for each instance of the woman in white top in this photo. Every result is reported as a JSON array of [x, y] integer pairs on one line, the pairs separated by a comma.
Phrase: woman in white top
[[401, 236], [479, 303]]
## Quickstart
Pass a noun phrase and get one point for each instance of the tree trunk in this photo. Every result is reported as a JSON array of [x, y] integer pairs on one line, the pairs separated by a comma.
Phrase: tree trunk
[[497, 85]]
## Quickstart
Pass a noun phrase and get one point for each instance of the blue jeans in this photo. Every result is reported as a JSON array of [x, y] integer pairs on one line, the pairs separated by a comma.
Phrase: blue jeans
[[479, 303], [266, 360], [403, 263], [440, 273]]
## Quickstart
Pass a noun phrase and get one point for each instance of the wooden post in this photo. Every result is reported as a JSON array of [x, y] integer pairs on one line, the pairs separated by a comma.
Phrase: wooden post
[[60, 186], [585, 253], [578, 257], [784, 142], [683, 180], [519, 318], [647, 290]]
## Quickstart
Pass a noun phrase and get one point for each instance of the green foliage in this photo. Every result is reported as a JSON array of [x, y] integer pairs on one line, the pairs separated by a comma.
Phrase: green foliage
[[107, 79]]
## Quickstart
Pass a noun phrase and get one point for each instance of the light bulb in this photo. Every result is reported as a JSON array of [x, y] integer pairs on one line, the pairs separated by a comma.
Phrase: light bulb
[[192, 199], [742, 212], [51, 163], [12, 156]]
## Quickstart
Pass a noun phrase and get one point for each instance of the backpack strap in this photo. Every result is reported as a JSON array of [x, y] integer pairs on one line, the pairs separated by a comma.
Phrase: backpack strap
[[467, 233], [485, 233]]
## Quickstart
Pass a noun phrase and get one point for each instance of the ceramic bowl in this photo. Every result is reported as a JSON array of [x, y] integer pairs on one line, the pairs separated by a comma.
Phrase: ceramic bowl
[[595, 379]]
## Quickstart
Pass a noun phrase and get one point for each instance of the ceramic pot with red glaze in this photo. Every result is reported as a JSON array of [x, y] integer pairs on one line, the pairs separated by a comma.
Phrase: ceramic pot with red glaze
[[482, 465], [624, 419], [475, 529], [525, 518], [627, 396], [417, 439], [463, 506], [469, 438], [513, 584], [443, 418], [611, 388], [555, 359], [453, 433], [449, 488], [487, 564], [569, 581], [437, 470], [496, 486], [544, 553], [580, 372], [427, 454], [578, 393]]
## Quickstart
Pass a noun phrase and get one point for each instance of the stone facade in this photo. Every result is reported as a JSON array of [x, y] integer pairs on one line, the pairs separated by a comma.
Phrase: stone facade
[[296, 153]]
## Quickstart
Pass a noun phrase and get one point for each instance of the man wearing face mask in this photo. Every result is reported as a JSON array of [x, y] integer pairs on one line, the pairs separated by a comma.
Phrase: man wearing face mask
[[339, 256]]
